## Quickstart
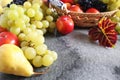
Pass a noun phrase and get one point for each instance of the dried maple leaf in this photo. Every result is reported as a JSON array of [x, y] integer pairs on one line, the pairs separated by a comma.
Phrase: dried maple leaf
[[105, 32]]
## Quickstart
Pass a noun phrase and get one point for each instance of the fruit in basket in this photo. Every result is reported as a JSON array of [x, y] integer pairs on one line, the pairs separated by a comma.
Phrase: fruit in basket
[[64, 24], [68, 5], [13, 61], [98, 4], [8, 38], [75, 8], [68, 1], [19, 2], [105, 33], [92, 10]]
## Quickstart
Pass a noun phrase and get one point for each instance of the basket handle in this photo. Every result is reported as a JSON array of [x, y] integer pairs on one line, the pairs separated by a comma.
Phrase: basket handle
[[56, 3], [59, 4]]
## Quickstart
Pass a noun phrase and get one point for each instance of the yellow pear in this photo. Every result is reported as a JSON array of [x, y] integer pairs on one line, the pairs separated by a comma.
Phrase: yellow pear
[[13, 61]]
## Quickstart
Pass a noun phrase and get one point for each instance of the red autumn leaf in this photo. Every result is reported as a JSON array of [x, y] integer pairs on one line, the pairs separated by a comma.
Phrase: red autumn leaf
[[105, 32]]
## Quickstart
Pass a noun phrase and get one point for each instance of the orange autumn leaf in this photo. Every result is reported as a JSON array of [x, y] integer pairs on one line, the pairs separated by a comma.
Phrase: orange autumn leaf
[[105, 33]]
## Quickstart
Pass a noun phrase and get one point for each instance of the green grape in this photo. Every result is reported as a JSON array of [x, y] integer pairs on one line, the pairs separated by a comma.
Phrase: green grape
[[31, 12], [118, 14], [30, 53], [20, 10], [37, 61], [49, 11], [47, 60], [12, 15], [114, 5], [20, 23], [32, 36], [45, 24], [39, 32], [38, 16], [24, 48], [28, 25], [105, 1], [36, 6], [115, 19], [32, 26], [118, 27], [49, 18], [52, 25], [1, 9], [38, 24], [24, 43], [25, 18], [22, 27], [21, 36], [55, 15], [4, 21], [27, 5], [44, 30], [40, 2], [41, 49], [39, 40], [52, 53], [44, 8], [10, 23], [15, 30], [6, 10], [27, 30], [13, 6], [112, 1]]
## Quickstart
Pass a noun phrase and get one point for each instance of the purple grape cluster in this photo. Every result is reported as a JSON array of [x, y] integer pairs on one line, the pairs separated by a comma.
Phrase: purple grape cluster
[[99, 5], [18, 2]]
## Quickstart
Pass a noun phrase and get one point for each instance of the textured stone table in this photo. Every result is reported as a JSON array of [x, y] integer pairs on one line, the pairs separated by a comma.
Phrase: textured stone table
[[79, 59]]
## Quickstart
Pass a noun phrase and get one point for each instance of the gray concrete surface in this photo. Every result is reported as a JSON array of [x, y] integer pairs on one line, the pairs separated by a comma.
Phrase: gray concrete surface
[[79, 59]]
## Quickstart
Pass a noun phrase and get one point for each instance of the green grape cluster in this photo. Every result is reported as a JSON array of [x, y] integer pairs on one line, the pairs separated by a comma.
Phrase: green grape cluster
[[30, 22], [112, 4]]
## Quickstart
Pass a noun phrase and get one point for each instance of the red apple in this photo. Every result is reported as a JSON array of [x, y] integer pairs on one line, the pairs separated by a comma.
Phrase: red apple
[[76, 8], [8, 38], [92, 10], [65, 24], [68, 1], [68, 5]]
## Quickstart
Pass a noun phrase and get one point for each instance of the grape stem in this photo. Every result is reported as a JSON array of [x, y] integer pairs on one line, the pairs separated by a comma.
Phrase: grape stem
[[43, 72]]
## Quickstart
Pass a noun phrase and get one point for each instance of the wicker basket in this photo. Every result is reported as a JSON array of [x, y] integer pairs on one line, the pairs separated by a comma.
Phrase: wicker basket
[[84, 19]]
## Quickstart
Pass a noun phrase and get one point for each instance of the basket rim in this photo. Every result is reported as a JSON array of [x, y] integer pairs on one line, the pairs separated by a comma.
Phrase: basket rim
[[67, 11], [84, 19], [95, 13]]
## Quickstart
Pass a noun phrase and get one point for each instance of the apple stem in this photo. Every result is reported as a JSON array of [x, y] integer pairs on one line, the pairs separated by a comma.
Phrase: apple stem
[[44, 72]]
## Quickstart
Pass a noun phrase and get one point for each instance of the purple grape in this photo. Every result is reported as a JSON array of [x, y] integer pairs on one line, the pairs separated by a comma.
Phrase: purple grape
[[85, 4]]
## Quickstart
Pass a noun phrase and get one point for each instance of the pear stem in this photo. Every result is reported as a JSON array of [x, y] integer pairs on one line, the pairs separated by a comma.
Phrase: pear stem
[[44, 72]]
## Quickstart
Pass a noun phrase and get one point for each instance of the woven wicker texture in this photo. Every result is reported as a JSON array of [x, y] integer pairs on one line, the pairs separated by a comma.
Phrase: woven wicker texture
[[84, 19]]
